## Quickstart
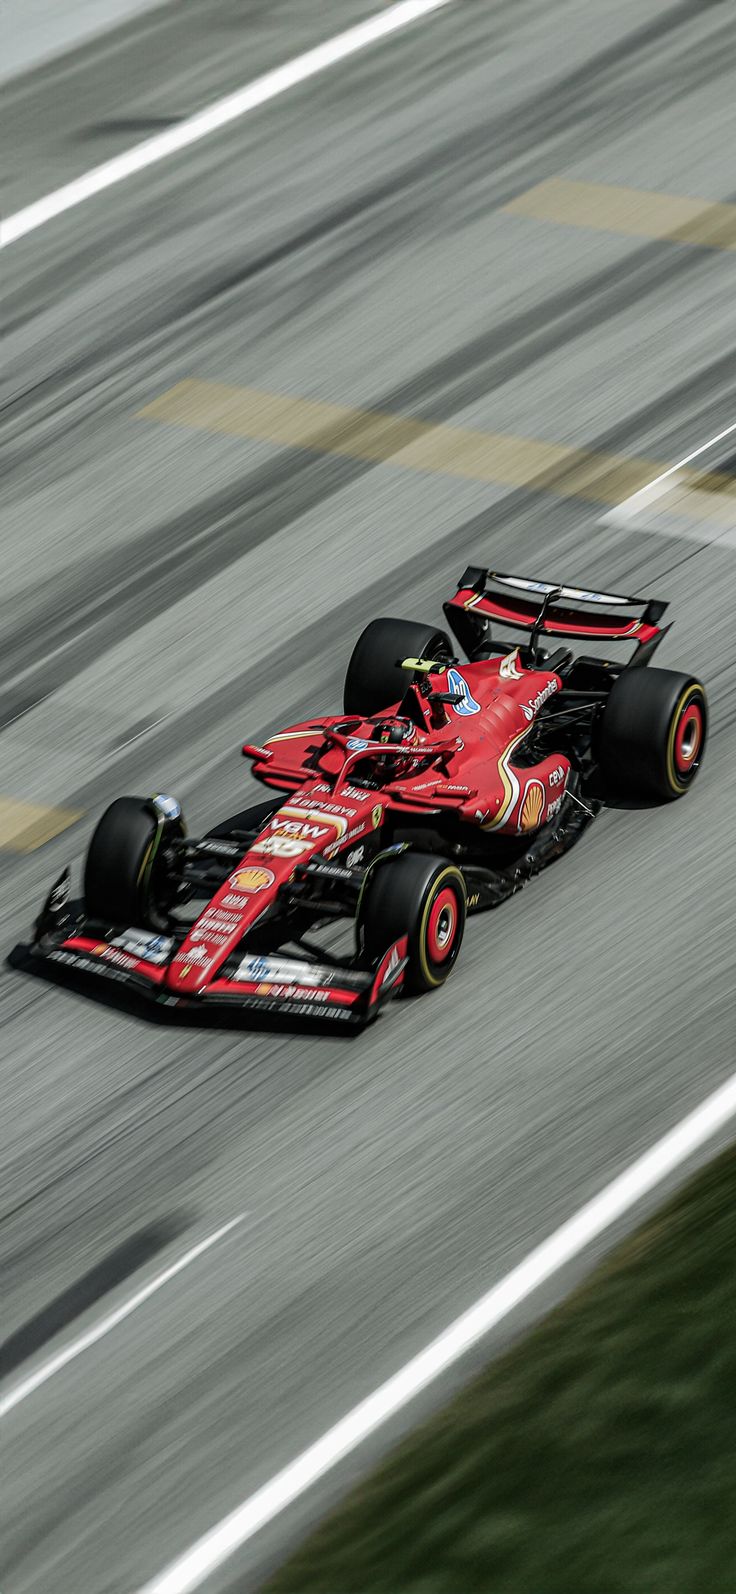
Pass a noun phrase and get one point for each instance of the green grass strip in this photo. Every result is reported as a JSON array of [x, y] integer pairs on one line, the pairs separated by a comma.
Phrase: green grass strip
[[598, 1457]]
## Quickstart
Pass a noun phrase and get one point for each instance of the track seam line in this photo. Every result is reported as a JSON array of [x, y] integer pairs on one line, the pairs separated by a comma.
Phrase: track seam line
[[90, 1337], [220, 113], [189, 1570]]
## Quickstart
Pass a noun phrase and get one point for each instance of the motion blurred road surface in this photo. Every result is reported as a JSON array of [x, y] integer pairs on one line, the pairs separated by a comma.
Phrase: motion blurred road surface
[[169, 589]]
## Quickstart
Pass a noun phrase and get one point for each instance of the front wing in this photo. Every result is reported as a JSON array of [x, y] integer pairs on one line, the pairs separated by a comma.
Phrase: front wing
[[296, 988]]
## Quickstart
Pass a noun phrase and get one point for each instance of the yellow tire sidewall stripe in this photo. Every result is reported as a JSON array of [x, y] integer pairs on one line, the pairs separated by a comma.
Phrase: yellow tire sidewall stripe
[[691, 692], [450, 873]]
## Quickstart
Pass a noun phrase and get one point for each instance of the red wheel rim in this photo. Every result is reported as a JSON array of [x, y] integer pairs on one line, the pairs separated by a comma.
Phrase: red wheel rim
[[442, 925], [688, 738]]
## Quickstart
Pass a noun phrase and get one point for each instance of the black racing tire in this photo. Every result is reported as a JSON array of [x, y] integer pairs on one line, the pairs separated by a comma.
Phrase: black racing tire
[[125, 880], [374, 679], [652, 734], [420, 896]]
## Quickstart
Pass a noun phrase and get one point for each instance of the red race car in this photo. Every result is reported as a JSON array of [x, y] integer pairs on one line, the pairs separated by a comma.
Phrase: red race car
[[442, 787]]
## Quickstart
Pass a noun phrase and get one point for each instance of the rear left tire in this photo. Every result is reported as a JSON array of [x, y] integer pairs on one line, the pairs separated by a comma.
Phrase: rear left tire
[[652, 734]]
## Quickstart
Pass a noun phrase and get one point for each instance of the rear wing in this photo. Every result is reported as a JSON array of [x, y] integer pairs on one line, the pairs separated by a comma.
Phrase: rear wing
[[550, 610]]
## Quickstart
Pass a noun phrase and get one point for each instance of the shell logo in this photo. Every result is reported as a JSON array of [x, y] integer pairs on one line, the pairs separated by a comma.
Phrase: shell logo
[[252, 879], [531, 808]]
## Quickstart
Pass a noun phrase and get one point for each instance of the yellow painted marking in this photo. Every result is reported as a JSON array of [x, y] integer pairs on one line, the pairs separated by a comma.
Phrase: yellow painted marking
[[26, 826], [631, 211], [494, 457]]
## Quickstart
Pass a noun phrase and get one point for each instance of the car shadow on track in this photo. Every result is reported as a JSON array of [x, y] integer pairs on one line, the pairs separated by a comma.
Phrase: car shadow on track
[[121, 1263]]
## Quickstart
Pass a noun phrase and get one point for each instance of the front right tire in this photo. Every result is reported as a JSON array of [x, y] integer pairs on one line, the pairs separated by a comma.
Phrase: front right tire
[[126, 880]]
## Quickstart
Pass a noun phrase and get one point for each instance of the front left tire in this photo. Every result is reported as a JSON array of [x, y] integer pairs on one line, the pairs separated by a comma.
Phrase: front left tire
[[424, 898]]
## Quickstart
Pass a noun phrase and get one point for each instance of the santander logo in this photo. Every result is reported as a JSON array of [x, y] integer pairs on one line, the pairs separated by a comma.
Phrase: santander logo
[[530, 709]]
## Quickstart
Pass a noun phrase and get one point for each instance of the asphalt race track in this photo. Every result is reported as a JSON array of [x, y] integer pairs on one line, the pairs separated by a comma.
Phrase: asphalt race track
[[169, 590]]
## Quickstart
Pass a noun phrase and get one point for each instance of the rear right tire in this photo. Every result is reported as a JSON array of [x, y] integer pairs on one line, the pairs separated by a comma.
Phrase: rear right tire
[[375, 680]]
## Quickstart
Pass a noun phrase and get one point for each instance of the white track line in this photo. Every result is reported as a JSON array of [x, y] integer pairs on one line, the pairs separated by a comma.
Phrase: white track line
[[219, 114], [644, 496], [189, 1571], [97, 1332], [672, 469]]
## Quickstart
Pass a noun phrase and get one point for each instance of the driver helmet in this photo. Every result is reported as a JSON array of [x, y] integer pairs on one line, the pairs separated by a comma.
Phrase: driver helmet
[[398, 733]]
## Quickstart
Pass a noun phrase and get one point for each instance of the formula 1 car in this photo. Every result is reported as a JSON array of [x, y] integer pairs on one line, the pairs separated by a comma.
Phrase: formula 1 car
[[442, 787]]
